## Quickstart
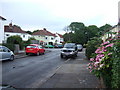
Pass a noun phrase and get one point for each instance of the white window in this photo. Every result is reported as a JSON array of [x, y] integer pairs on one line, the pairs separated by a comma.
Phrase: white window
[[52, 38], [46, 38], [24, 36], [7, 35]]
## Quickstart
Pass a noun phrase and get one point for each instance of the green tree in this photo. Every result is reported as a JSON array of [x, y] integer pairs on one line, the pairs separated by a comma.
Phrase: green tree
[[29, 32], [78, 32], [92, 31], [104, 28]]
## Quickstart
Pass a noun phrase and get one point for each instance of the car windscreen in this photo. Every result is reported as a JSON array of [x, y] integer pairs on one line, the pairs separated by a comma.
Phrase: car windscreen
[[69, 45], [1, 49], [31, 46], [79, 46]]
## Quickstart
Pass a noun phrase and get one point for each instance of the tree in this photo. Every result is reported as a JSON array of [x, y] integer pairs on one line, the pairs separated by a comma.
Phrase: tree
[[76, 26], [15, 40], [92, 31], [35, 31], [29, 32], [104, 28], [78, 30]]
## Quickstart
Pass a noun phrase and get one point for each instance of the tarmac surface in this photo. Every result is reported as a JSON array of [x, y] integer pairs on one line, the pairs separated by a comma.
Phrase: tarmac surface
[[72, 74]]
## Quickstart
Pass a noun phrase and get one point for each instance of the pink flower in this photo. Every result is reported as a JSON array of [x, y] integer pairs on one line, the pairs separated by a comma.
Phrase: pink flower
[[109, 45], [91, 59], [105, 43], [96, 63], [109, 53], [90, 67]]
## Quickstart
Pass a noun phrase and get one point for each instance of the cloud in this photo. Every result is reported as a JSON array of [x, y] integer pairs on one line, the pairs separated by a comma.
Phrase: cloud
[[55, 14]]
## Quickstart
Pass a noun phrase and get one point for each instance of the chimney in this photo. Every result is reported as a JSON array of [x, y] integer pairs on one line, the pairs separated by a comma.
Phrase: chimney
[[44, 29], [10, 25]]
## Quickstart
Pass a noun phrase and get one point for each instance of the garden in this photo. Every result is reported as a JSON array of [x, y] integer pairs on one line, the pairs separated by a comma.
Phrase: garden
[[105, 60]]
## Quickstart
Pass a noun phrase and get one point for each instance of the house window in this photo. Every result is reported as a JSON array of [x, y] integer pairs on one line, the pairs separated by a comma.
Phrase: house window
[[7, 35], [52, 38], [24, 36], [46, 38]]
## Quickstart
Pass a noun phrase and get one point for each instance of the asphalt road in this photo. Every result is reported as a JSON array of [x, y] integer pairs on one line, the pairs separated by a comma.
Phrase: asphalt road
[[32, 71]]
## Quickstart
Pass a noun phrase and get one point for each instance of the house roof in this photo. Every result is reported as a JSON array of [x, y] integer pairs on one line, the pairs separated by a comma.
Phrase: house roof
[[13, 29], [61, 36], [44, 32], [2, 18]]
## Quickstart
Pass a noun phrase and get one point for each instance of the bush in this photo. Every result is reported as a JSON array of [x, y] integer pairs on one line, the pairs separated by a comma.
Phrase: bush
[[105, 62], [15, 40], [92, 46], [10, 46], [116, 66]]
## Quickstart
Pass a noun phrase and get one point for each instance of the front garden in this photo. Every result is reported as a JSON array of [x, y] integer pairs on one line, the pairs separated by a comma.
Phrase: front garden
[[105, 60]]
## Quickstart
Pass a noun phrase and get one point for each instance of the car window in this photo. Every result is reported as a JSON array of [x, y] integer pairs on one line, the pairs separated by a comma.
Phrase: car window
[[40, 46], [69, 45], [1, 49], [5, 49], [31, 46]]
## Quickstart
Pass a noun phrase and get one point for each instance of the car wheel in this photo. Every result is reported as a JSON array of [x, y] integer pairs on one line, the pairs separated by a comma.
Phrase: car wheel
[[38, 54], [27, 53], [76, 55], [12, 58], [61, 56]]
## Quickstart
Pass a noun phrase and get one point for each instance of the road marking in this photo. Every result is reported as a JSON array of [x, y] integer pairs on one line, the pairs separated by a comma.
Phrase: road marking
[[67, 60]]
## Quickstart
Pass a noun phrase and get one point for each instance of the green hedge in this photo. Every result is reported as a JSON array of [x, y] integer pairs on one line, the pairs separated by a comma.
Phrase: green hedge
[[115, 83], [10, 46], [92, 46], [108, 57]]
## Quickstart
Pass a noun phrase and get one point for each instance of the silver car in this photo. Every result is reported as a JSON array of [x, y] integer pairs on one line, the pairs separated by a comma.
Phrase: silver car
[[79, 47], [69, 50], [6, 54]]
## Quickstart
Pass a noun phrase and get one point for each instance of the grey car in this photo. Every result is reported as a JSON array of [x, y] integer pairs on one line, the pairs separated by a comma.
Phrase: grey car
[[6, 54], [69, 50], [80, 47]]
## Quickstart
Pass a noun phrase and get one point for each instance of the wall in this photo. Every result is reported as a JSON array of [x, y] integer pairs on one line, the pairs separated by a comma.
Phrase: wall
[[1, 31]]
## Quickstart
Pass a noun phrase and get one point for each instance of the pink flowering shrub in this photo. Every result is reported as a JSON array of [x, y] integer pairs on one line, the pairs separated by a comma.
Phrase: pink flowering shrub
[[101, 58], [105, 62]]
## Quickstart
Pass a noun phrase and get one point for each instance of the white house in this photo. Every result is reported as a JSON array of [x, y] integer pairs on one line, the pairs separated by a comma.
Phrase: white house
[[44, 37], [110, 33], [1, 29], [11, 30], [59, 38]]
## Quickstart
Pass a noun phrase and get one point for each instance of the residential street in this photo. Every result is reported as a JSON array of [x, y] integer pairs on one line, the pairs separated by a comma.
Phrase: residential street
[[41, 72]]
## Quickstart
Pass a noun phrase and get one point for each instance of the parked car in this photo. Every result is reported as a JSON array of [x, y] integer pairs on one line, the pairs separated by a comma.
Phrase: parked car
[[34, 49], [6, 53], [49, 46], [80, 47], [59, 46], [69, 50]]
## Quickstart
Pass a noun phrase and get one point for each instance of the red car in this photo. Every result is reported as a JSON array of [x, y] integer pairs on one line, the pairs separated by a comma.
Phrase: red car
[[34, 49]]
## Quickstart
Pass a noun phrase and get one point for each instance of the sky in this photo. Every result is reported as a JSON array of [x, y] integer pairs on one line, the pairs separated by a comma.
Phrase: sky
[[55, 15]]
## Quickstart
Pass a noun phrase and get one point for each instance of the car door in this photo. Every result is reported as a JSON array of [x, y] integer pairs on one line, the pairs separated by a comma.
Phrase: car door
[[6, 53], [41, 49], [1, 53]]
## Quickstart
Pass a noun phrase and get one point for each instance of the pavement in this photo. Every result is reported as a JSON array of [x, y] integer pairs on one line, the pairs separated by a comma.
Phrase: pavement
[[73, 74]]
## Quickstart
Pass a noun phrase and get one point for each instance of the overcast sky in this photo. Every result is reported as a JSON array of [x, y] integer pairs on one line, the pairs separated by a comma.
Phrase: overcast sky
[[54, 15]]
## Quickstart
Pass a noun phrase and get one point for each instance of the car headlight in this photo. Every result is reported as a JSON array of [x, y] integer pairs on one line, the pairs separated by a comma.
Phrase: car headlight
[[72, 52]]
